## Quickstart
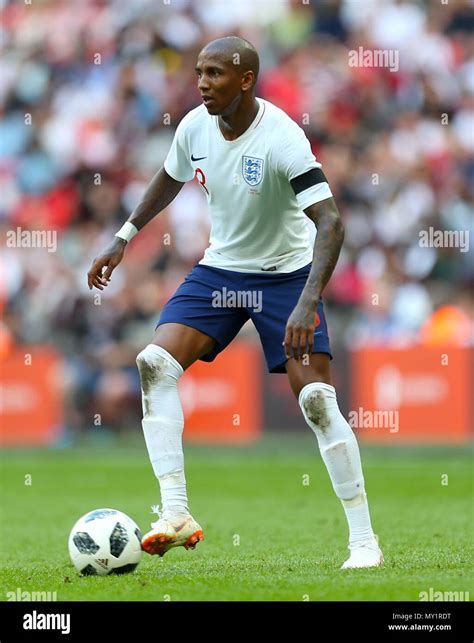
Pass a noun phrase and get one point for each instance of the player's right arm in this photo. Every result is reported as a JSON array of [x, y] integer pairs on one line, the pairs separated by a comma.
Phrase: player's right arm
[[159, 194]]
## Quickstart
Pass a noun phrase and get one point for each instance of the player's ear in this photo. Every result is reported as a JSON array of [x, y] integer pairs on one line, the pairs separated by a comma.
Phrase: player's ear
[[247, 81]]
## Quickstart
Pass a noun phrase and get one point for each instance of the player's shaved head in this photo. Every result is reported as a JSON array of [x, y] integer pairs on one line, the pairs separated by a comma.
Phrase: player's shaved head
[[227, 70], [234, 51]]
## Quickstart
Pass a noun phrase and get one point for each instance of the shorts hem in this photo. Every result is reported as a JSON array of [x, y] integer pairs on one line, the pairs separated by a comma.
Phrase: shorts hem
[[280, 368]]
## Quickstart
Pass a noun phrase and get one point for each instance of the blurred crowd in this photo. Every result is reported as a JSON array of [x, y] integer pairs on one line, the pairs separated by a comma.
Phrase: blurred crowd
[[91, 92]]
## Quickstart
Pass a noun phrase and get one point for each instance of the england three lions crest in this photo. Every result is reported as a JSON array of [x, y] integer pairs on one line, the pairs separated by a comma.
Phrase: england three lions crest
[[252, 170]]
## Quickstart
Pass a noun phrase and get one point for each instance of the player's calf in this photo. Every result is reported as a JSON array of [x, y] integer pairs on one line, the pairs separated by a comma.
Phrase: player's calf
[[340, 453]]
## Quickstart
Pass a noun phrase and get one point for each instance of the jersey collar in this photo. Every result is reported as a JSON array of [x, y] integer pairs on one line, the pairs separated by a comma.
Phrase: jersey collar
[[253, 125]]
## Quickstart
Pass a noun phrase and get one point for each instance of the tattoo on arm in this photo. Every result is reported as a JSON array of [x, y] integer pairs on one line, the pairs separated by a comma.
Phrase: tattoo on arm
[[327, 247], [160, 192]]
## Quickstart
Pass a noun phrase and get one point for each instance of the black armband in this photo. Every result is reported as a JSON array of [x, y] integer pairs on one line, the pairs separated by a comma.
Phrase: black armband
[[307, 180]]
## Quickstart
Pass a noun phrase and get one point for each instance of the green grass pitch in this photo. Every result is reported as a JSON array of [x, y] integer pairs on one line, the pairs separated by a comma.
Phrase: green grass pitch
[[274, 529]]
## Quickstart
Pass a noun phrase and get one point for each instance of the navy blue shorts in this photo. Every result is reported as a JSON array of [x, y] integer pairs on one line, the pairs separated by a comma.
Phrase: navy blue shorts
[[218, 303]]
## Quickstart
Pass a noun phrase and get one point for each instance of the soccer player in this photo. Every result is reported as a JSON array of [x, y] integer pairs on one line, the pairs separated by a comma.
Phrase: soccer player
[[261, 180]]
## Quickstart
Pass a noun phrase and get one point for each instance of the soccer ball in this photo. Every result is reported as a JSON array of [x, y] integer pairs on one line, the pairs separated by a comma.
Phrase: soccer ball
[[105, 541]]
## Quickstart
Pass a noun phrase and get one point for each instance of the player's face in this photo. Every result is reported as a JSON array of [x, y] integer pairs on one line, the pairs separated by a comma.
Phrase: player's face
[[219, 84]]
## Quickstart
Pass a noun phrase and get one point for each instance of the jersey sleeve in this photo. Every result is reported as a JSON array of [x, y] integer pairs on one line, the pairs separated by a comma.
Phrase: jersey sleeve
[[297, 163], [177, 163]]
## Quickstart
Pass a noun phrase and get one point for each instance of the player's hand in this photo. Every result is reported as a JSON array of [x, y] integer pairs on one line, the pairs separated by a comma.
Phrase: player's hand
[[300, 328], [109, 259]]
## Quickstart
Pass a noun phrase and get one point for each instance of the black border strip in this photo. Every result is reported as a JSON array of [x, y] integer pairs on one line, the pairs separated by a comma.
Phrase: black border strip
[[238, 621]]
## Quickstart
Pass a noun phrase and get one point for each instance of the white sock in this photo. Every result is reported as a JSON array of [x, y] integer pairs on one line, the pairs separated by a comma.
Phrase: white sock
[[174, 498], [340, 453], [163, 424], [358, 518]]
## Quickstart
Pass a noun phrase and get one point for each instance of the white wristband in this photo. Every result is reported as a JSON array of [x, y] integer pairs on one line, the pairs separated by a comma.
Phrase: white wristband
[[127, 231]]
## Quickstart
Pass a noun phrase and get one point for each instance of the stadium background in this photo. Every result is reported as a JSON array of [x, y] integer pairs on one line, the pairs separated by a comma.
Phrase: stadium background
[[90, 95]]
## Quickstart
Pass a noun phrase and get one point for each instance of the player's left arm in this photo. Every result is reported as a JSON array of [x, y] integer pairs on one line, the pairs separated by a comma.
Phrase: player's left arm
[[303, 320]]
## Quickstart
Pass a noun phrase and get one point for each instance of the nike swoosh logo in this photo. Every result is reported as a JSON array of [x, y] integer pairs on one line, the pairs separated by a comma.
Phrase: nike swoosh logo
[[198, 158]]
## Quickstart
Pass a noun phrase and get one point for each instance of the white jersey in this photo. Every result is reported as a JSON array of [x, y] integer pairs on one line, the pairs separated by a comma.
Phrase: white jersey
[[257, 221]]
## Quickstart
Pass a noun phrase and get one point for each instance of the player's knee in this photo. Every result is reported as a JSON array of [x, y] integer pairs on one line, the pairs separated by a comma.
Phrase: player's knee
[[149, 364], [156, 365], [315, 408]]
